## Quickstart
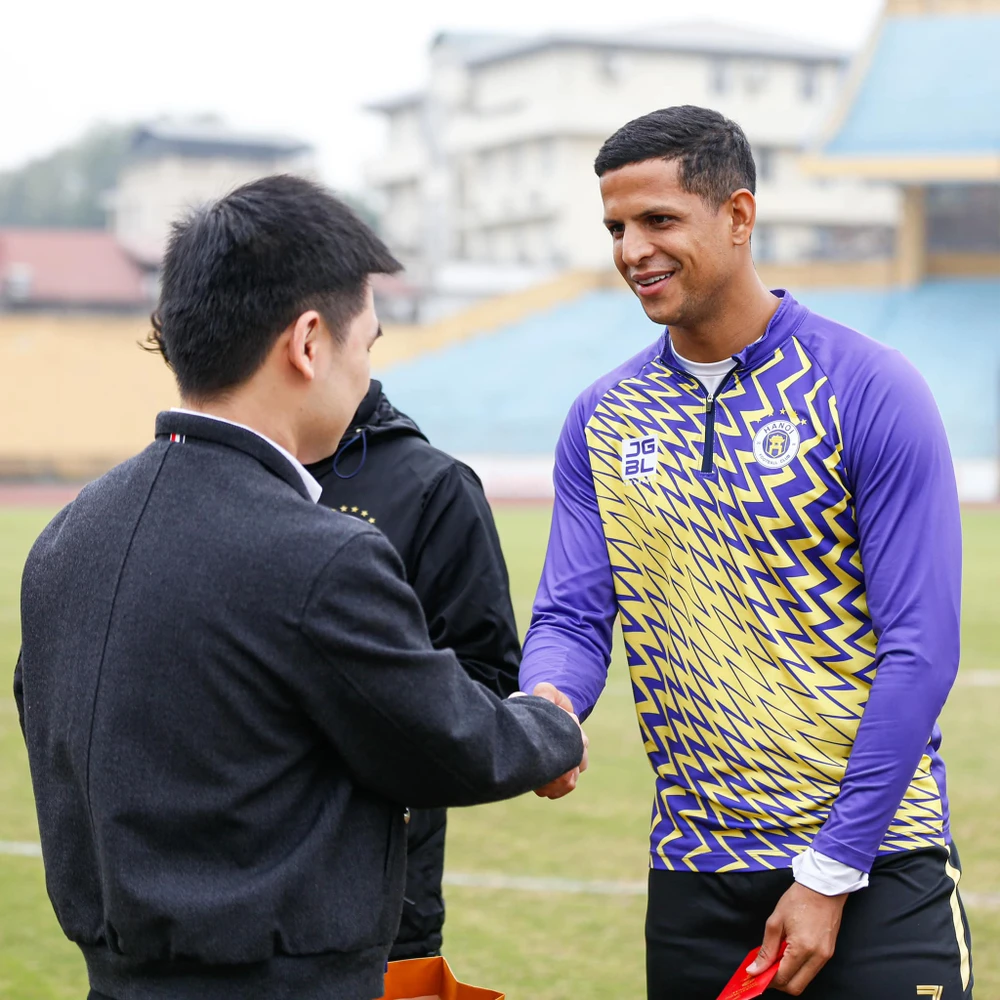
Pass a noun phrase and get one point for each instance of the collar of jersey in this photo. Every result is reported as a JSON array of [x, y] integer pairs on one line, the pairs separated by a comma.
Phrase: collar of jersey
[[785, 321]]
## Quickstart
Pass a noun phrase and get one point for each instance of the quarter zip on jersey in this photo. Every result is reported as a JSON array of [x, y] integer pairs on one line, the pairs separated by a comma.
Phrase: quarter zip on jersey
[[708, 452]]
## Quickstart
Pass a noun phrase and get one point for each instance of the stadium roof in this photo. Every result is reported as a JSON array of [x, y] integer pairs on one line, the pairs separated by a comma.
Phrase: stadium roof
[[701, 37], [925, 103], [68, 268]]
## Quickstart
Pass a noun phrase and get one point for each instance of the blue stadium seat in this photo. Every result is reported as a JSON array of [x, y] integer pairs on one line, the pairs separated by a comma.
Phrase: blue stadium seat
[[950, 330], [508, 392]]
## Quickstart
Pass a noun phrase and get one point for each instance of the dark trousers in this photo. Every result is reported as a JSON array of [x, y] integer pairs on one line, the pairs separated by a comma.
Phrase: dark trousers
[[906, 931], [421, 923]]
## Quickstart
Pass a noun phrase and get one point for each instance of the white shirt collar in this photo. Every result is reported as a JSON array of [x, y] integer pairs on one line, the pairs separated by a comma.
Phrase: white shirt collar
[[313, 488], [708, 367]]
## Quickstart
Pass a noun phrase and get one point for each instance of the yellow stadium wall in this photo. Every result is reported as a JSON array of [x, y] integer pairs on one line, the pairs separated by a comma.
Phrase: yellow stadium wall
[[78, 394]]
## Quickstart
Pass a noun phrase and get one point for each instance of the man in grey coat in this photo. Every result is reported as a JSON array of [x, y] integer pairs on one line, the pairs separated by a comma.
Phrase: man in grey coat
[[227, 692]]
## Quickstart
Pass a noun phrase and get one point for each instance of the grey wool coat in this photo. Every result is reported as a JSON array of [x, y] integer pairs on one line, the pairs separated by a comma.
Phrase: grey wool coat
[[229, 696]]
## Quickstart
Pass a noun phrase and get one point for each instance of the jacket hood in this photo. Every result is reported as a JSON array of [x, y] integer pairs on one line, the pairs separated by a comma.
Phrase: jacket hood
[[376, 417]]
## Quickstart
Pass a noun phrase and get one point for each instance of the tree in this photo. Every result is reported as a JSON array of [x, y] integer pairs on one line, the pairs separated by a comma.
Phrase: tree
[[66, 188]]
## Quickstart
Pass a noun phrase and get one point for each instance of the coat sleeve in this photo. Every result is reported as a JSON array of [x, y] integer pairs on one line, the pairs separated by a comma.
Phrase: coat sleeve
[[406, 719], [459, 575], [910, 535]]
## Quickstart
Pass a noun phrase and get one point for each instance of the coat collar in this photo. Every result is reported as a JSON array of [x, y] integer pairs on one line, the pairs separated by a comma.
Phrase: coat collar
[[169, 424]]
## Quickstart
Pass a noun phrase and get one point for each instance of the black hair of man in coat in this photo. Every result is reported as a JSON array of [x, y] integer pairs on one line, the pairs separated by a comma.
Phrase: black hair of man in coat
[[433, 510]]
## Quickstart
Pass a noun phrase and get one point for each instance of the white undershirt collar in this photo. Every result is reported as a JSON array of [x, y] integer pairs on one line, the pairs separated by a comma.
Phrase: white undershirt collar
[[710, 373], [313, 488]]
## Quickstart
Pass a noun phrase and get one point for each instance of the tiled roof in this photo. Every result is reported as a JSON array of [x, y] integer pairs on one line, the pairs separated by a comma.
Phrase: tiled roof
[[67, 267], [211, 137]]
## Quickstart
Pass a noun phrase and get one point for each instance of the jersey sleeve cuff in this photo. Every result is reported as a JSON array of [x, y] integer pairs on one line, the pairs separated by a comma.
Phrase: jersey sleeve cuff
[[824, 875]]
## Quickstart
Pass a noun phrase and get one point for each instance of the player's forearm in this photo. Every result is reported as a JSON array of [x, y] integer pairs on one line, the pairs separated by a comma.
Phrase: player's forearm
[[909, 527], [893, 737], [569, 655]]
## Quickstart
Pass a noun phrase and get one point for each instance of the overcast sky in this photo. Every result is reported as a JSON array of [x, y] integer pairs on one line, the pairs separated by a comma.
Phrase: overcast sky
[[302, 67]]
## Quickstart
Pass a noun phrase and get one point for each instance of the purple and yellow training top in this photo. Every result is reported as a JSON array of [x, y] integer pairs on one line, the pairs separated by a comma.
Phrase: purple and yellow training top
[[785, 560]]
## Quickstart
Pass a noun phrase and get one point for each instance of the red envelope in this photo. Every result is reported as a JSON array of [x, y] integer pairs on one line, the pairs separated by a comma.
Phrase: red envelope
[[743, 986]]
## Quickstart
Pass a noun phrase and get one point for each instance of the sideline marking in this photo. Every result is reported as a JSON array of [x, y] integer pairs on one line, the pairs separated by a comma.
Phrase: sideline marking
[[527, 883]]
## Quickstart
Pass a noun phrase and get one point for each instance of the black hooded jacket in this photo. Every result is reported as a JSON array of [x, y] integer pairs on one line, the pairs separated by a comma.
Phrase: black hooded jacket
[[433, 510]]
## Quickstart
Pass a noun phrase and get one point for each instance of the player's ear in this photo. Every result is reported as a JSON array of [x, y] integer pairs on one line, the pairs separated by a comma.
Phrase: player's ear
[[743, 215]]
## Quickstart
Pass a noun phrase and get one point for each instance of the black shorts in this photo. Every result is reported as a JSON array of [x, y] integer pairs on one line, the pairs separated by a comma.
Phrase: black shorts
[[902, 938]]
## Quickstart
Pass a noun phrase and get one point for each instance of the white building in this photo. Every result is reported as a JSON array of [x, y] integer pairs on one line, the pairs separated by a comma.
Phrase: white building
[[487, 178], [176, 165]]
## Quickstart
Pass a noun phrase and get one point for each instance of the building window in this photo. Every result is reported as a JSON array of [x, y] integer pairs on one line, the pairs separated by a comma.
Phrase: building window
[[963, 218], [612, 66], [486, 165], [719, 78], [755, 78], [764, 157], [17, 282], [514, 155], [809, 82], [546, 157], [762, 244], [852, 243]]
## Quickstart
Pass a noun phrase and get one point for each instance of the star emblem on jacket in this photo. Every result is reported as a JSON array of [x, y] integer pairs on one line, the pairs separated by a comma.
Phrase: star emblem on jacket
[[357, 512]]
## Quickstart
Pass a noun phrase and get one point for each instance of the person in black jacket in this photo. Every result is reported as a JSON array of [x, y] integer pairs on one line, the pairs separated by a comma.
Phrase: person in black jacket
[[433, 510], [227, 691]]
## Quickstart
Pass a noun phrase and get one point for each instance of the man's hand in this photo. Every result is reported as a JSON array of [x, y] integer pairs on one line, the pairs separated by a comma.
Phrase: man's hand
[[564, 785], [809, 922]]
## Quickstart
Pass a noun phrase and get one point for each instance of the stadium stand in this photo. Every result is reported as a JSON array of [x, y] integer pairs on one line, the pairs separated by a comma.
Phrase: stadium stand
[[509, 393]]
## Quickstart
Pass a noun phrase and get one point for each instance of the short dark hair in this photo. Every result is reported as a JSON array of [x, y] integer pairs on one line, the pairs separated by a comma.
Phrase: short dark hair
[[714, 155], [239, 271]]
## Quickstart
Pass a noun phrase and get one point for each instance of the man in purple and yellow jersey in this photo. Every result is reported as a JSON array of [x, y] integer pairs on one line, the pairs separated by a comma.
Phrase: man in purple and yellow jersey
[[766, 501]]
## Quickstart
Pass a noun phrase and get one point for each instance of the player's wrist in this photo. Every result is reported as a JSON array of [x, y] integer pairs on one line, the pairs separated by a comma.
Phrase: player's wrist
[[826, 875]]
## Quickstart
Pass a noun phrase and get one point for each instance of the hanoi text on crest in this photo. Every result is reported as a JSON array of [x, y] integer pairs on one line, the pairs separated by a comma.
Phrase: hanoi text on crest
[[639, 455], [776, 444]]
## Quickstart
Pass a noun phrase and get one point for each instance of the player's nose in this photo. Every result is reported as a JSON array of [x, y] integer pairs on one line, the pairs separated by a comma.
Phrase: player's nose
[[636, 246]]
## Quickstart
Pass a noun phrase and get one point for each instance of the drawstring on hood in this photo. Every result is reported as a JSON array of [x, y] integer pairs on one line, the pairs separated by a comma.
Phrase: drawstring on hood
[[375, 416], [362, 433]]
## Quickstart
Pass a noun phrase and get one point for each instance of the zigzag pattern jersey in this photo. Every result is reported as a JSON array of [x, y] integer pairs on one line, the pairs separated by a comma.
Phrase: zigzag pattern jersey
[[784, 560]]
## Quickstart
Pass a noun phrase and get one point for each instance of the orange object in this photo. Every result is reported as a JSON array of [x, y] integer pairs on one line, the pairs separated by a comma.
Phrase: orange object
[[430, 979]]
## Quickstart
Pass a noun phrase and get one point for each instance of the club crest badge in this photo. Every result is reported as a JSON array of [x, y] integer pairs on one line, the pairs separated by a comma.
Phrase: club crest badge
[[639, 457], [776, 444]]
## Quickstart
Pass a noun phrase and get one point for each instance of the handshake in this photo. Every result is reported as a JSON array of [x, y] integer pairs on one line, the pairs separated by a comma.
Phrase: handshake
[[566, 783]]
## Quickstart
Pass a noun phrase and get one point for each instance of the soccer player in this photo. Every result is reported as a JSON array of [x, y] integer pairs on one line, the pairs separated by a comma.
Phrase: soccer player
[[766, 501]]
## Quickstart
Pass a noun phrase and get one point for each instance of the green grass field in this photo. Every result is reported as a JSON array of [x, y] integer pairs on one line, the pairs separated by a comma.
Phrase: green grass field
[[539, 945]]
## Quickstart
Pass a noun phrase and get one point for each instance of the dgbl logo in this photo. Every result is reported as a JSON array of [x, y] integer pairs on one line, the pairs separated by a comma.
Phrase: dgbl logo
[[639, 457]]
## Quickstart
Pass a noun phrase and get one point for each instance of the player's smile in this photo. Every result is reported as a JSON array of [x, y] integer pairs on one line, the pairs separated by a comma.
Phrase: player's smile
[[648, 284]]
